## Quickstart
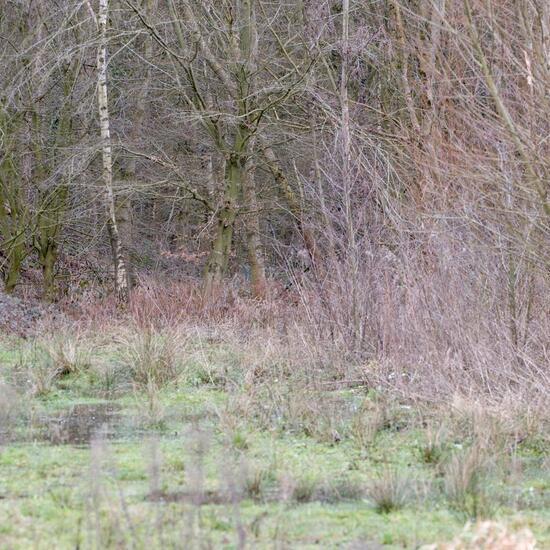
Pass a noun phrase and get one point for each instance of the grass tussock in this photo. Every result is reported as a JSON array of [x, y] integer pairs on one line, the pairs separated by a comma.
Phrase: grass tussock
[[68, 353], [150, 356], [390, 491], [369, 420], [39, 371], [435, 445], [466, 482], [42, 363]]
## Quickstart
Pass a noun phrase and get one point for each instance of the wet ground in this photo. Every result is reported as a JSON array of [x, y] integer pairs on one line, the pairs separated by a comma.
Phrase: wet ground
[[74, 425], [276, 489], [79, 424]]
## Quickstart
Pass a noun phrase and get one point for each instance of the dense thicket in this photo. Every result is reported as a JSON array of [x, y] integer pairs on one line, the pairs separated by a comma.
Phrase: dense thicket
[[385, 160]]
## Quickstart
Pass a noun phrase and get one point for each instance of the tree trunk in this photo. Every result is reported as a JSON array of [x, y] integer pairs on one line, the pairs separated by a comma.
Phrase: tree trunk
[[122, 290], [14, 267], [292, 200], [49, 228], [13, 216], [48, 273], [258, 283], [124, 208], [352, 263], [47, 246], [125, 222], [53, 200], [248, 61], [221, 247]]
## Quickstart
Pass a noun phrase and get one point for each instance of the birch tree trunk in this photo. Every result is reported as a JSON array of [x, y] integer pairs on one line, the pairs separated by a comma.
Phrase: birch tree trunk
[[122, 290]]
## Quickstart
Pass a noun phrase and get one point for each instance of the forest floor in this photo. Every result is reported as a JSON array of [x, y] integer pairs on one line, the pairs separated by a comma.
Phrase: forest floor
[[99, 449]]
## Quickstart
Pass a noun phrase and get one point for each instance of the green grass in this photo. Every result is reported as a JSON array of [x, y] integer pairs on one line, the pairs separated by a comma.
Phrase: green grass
[[273, 484]]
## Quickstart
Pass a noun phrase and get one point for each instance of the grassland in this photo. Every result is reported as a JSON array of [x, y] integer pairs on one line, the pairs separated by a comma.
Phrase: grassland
[[157, 440]]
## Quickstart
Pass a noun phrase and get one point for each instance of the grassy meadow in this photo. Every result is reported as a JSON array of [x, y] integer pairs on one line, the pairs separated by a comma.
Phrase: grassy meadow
[[157, 438]]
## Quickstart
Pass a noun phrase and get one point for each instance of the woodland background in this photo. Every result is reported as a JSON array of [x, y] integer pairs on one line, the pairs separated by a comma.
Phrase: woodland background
[[372, 175], [276, 274]]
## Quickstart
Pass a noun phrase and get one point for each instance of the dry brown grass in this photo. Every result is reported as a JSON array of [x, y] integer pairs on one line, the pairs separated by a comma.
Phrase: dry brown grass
[[149, 355], [435, 445], [370, 418], [421, 335], [488, 535], [465, 482], [69, 352]]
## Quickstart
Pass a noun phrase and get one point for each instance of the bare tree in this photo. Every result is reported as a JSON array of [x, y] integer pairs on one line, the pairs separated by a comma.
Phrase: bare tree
[[122, 285]]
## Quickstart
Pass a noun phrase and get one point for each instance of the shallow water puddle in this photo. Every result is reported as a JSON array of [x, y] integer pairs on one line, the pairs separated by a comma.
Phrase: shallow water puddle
[[79, 424]]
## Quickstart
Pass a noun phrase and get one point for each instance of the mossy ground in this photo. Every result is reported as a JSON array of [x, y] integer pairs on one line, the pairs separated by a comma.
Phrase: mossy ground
[[185, 467]]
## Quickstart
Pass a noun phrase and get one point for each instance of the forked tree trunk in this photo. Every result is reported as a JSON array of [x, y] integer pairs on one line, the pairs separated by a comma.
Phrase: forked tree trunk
[[236, 160], [122, 290], [52, 187], [52, 202]]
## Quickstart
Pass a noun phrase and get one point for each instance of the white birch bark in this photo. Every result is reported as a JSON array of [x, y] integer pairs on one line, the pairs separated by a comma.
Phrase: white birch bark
[[120, 271]]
